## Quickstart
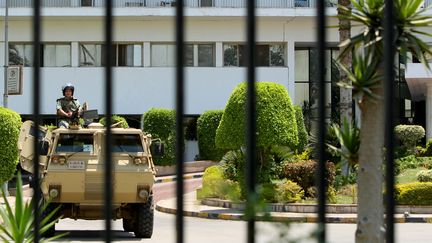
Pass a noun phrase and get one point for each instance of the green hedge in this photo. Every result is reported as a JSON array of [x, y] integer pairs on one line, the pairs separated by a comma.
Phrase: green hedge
[[207, 125], [114, 120], [10, 123], [301, 128], [276, 123], [409, 134], [214, 185], [160, 123], [416, 193]]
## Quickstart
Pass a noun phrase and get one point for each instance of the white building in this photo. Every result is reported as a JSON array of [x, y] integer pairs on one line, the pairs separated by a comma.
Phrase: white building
[[144, 36]]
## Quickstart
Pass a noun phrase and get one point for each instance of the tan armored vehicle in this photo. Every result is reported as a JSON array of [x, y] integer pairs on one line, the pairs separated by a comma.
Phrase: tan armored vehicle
[[72, 173]]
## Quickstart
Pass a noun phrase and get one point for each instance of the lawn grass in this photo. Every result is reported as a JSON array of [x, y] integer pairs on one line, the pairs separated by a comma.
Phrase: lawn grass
[[408, 175]]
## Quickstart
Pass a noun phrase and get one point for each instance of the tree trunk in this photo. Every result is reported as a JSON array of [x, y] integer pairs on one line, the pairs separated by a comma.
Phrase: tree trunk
[[345, 95], [370, 174]]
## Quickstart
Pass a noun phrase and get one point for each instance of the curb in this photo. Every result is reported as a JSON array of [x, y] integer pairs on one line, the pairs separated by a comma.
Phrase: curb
[[171, 179]]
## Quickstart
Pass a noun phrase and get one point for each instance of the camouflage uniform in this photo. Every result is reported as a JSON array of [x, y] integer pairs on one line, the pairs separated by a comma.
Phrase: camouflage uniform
[[67, 106]]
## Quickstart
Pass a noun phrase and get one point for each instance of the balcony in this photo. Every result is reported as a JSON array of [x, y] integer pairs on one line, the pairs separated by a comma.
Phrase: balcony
[[169, 3]]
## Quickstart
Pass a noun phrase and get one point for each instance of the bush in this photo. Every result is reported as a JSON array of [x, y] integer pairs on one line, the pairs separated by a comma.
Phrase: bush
[[303, 173], [416, 193], [160, 123], [115, 119], [424, 176], [276, 124], [407, 162], [288, 192], [10, 124], [207, 125], [428, 149], [303, 137], [409, 134], [215, 185]]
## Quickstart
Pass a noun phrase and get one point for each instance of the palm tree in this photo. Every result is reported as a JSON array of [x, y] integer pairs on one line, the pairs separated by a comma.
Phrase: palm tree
[[367, 83], [344, 35]]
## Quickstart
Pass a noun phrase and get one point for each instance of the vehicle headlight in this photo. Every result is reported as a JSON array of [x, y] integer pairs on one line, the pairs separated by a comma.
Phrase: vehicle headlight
[[53, 193], [143, 194]]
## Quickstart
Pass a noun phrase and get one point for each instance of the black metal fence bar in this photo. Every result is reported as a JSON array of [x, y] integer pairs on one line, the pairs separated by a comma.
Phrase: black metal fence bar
[[389, 79], [179, 119], [250, 119], [320, 175], [36, 114], [108, 109]]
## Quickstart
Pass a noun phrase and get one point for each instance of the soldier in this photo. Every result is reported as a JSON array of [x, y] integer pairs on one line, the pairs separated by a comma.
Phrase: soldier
[[68, 108]]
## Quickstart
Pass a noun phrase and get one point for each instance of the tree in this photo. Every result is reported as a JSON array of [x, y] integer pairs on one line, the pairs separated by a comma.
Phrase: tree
[[276, 122], [367, 82]]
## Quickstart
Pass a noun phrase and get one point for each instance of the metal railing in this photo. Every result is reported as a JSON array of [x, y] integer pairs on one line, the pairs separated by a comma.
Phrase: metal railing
[[171, 3], [250, 120]]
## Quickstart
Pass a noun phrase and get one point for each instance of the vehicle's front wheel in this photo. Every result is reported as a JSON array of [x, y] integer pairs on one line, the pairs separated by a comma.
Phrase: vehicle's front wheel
[[128, 225], [144, 219]]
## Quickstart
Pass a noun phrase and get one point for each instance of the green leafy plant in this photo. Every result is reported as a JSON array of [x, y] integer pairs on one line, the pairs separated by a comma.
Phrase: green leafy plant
[[416, 193], [424, 176], [215, 185], [18, 221], [160, 123], [114, 120], [288, 192], [207, 125], [10, 123], [303, 137], [349, 139], [409, 135]]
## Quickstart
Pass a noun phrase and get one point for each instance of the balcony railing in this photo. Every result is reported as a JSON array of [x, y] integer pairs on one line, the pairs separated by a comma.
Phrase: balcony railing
[[170, 3]]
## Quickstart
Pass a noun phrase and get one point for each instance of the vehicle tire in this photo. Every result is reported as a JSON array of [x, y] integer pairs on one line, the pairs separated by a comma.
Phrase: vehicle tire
[[51, 231], [128, 225], [144, 219]]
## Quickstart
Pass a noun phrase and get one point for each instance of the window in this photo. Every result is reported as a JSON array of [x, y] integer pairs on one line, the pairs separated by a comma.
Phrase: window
[[125, 55], [127, 143], [87, 3], [268, 55], [56, 55], [196, 55], [21, 54], [75, 143], [163, 55], [52, 55]]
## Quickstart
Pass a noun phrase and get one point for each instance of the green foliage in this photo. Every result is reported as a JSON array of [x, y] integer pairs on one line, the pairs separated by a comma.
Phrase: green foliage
[[424, 176], [409, 134], [288, 192], [428, 149], [215, 185], [207, 124], [18, 221], [303, 173], [276, 124], [303, 137], [160, 123], [115, 119], [10, 123], [349, 139], [416, 193]]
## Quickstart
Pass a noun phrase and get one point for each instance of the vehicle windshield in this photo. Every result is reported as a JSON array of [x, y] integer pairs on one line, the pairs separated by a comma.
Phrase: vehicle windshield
[[129, 143], [75, 143]]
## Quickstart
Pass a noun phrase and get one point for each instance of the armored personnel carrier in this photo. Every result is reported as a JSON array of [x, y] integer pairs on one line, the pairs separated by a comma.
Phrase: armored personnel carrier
[[72, 173]]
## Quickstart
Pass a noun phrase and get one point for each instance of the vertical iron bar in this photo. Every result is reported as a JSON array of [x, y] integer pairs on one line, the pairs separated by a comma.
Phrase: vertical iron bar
[[36, 114], [389, 77], [321, 173], [6, 51], [250, 119], [108, 106], [179, 119]]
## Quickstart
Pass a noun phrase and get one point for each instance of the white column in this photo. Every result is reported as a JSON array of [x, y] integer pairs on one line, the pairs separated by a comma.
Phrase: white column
[[290, 54], [219, 54], [429, 110], [146, 54], [75, 54]]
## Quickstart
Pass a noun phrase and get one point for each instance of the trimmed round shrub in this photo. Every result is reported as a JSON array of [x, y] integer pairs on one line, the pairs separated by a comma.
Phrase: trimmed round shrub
[[416, 193], [115, 119], [424, 176], [276, 122], [10, 124], [409, 134], [207, 125], [160, 123], [288, 192], [303, 173], [301, 128]]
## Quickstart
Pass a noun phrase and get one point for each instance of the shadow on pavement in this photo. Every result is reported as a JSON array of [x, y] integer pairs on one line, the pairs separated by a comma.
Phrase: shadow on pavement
[[95, 235]]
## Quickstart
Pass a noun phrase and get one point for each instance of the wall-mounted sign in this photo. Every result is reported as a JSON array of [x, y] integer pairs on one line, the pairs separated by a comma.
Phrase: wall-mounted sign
[[14, 80]]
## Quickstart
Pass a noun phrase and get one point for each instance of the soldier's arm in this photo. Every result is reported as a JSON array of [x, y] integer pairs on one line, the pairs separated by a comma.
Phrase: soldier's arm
[[60, 111]]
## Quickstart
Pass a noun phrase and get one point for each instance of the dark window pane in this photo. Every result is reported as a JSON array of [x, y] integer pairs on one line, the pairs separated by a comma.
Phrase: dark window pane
[[75, 143], [277, 55], [127, 143], [262, 54], [189, 55], [230, 55], [242, 55], [206, 55]]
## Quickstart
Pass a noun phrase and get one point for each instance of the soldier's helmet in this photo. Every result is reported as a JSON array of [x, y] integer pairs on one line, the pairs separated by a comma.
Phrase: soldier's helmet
[[68, 86]]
